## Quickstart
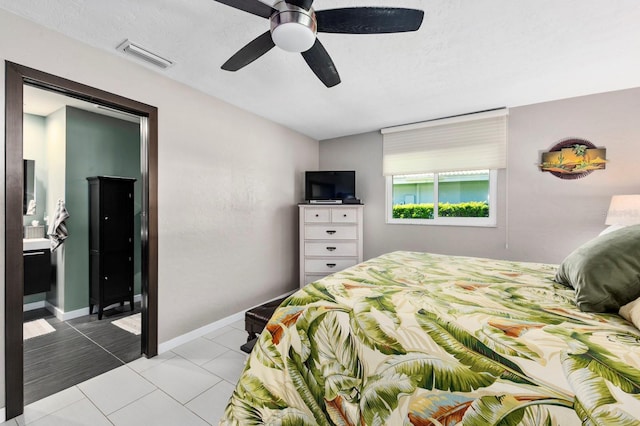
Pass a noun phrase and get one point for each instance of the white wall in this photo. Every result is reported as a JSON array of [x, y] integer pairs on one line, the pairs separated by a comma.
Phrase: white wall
[[228, 183], [541, 217], [56, 124]]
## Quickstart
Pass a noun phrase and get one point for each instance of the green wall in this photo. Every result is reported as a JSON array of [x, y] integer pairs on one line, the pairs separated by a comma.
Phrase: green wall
[[95, 145]]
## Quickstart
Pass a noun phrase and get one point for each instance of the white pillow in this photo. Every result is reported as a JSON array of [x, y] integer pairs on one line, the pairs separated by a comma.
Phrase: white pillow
[[631, 312]]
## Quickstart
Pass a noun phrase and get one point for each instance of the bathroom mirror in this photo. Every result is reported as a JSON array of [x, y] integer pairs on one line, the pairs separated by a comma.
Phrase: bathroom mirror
[[29, 199]]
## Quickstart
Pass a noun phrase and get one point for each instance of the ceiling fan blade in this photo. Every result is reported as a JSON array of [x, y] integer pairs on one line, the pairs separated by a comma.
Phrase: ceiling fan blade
[[368, 20], [321, 64], [252, 51], [255, 7], [305, 4]]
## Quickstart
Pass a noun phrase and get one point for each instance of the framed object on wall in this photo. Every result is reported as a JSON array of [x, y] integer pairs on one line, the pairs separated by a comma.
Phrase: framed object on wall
[[573, 159]]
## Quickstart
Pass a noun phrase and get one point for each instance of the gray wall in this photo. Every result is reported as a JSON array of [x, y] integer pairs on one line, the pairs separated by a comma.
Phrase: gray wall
[[540, 217], [228, 183]]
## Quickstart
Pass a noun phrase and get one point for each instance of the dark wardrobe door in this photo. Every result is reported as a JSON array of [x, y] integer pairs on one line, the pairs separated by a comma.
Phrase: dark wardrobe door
[[117, 216]]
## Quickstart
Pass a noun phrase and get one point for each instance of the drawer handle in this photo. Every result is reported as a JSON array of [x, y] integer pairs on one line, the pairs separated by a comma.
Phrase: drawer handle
[[344, 215], [330, 232], [32, 253], [317, 215], [331, 248], [331, 265]]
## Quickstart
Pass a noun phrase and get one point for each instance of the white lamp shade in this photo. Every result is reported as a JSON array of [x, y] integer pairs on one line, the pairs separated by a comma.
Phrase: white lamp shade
[[624, 210]]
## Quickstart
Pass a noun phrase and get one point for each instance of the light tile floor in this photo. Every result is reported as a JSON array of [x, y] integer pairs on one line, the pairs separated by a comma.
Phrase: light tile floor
[[189, 385]]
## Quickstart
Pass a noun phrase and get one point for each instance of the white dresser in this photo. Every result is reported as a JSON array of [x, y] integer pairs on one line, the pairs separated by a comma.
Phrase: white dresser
[[330, 239]]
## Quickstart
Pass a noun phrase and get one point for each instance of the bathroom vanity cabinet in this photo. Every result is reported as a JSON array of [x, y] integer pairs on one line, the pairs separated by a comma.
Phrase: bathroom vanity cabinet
[[111, 243], [37, 271]]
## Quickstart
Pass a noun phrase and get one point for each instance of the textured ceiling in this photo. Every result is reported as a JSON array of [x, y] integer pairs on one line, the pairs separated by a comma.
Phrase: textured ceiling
[[469, 55]]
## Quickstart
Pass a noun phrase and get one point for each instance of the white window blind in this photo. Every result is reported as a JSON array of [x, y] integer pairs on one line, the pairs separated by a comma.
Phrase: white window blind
[[470, 142]]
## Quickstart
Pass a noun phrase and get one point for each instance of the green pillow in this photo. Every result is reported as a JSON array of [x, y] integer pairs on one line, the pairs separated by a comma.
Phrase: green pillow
[[605, 272]]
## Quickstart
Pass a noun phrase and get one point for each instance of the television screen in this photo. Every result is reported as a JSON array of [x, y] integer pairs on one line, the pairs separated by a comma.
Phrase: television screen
[[330, 185]]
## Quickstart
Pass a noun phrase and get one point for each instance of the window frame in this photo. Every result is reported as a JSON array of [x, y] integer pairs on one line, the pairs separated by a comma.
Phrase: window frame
[[490, 221]]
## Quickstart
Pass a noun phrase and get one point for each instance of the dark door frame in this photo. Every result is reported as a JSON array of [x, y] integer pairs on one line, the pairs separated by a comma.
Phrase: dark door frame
[[15, 77]]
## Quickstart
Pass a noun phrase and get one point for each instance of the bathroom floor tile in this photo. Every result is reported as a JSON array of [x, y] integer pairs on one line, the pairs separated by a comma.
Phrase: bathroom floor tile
[[60, 360], [123, 345], [78, 350]]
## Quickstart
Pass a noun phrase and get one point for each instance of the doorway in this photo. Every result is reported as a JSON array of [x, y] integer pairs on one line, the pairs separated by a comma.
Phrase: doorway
[[17, 77]]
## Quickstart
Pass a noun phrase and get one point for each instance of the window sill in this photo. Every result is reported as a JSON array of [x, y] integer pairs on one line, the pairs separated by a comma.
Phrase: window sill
[[480, 223]]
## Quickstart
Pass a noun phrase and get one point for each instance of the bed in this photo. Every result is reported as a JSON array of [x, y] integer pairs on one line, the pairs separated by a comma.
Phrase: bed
[[412, 338]]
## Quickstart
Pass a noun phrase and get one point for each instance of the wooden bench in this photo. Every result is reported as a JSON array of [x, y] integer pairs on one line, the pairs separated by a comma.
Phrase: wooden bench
[[255, 320]]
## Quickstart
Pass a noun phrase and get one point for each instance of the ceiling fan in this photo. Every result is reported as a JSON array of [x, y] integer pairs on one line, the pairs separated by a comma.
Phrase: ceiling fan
[[294, 24]]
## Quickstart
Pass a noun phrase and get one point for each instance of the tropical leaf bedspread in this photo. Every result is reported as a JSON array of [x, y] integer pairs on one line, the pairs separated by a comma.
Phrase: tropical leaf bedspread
[[422, 339]]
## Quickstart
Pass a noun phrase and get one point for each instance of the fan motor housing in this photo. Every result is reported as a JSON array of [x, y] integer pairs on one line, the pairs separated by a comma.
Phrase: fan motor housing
[[293, 28]]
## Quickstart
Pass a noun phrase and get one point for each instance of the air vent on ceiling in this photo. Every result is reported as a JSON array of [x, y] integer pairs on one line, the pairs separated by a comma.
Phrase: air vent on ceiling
[[143, 54]]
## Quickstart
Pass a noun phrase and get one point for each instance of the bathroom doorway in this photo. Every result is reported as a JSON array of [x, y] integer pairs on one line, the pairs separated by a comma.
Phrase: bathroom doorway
[[19, 80]]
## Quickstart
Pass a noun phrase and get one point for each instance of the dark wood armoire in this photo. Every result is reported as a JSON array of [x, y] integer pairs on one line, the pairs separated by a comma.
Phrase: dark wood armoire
[[111, 241]]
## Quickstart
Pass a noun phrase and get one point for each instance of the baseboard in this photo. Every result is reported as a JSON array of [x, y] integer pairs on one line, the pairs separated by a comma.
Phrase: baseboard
[[209, 328], [3, 415], [199, 332], [69, 315], [65, 315], [33, 306]]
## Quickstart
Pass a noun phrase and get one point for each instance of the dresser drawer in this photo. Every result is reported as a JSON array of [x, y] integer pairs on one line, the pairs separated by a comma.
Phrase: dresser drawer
[[327, 265], [330, 249], [344, 215], [330, 232], [317, 215], [309, 278]]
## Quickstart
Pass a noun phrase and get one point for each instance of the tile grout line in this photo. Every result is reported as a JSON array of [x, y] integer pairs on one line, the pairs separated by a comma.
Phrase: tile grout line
[[94, 404], [229, 350], [96, 343]]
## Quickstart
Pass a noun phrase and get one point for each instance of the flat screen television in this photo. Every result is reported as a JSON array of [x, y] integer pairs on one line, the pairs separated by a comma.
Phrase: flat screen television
[[330, 185]]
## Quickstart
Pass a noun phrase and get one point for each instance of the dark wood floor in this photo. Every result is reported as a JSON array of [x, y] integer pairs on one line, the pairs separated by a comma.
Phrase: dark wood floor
[[78, 350]]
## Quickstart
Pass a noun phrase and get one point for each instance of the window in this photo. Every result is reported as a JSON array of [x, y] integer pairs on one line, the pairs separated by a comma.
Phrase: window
[[444, 172], [463, 198]]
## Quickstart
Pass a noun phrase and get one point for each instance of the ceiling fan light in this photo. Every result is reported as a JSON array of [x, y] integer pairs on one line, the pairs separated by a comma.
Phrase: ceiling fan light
[[293, 28], [293, 37]]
